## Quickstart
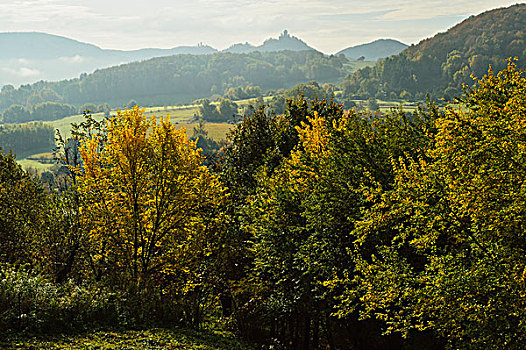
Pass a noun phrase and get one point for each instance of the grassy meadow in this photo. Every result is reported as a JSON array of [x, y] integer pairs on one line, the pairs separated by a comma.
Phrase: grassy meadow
[[183, 116]]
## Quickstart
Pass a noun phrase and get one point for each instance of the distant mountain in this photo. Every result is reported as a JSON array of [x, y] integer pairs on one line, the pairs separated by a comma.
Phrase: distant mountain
[[144, 54], [42, 46], [439, 66], [284, 42], [29, 57], [241, 48], [180, 78], [375, 50]]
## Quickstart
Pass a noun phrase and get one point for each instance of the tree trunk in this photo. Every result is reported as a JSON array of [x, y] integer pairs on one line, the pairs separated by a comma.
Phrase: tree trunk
[[306, 335]]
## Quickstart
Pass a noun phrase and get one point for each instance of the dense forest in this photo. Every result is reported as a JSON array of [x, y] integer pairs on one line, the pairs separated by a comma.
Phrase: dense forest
[[180, 78], [315, 228], [27, 139], [439, 66]]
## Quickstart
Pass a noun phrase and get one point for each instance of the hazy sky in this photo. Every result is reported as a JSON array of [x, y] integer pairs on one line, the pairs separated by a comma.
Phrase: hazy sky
[[326, 25]]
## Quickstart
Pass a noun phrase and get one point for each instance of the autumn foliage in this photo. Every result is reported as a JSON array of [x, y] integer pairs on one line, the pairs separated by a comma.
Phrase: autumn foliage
[[316, 228]]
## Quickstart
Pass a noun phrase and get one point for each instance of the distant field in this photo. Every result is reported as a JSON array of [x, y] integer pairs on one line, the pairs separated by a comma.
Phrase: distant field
[[178, 115], [182, 116], [216, 131], [386, 106], [29, 164]]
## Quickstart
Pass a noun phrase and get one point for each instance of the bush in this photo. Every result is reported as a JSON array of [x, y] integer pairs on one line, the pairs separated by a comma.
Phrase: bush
[[30, 303]]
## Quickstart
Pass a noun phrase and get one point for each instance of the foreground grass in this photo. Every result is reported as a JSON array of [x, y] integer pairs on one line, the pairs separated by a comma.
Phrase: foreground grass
[[147, 339]]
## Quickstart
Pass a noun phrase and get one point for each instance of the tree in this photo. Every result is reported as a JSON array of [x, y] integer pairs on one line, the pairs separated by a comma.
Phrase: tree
[[449, 235], [88, 107], [146, 199], [372, 104], [209, 111], [22, 203], [307, 204], [52, 111], [227, 110], [16, 114]]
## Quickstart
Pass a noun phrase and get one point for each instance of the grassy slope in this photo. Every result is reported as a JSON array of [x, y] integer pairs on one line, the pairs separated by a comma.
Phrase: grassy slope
[[148, 339], [180, 115], [183, 115]]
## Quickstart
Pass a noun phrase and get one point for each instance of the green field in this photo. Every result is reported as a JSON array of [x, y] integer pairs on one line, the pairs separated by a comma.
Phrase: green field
[[148, 339], [37, 166], [178, 115], [183, 116]]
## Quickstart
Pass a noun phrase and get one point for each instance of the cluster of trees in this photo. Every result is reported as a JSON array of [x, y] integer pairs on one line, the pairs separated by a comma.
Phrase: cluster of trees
[[44, 111], [439, 66], [315, 228], [310, 90], [103, 108], [27, 139], [412, 222], [182, 78], [240, 93], [44, 105], [224, 112]]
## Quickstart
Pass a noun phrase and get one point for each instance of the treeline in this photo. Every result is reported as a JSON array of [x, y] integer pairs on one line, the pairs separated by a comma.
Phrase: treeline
[[183, 78], [27, 139], [439, 66], [310, 91], [226, 110], [315, 228], [44, 111]]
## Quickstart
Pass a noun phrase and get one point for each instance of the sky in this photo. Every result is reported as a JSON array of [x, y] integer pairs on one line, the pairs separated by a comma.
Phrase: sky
[[328, 26]]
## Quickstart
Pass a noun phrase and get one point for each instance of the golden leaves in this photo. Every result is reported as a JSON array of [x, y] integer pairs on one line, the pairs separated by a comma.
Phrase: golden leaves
[[146, 193]]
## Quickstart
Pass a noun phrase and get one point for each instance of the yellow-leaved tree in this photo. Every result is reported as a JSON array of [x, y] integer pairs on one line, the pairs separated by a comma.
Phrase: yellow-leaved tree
[[149, 205]]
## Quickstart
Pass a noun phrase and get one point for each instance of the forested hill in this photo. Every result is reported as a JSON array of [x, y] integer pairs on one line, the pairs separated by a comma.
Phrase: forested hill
[[181, 78], [375, 50], [30, 57], [440, 65]]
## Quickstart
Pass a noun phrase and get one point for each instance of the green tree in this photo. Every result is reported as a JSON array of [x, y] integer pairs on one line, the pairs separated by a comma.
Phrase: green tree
[[16, 114], [89, 107], [372, 104], [22, 203], [209, 111], [227, 110], [451, 254], [305, 208]]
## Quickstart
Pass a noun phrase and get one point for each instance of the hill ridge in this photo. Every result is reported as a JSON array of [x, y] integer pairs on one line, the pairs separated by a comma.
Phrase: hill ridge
[[374, 50], [441, 65]]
